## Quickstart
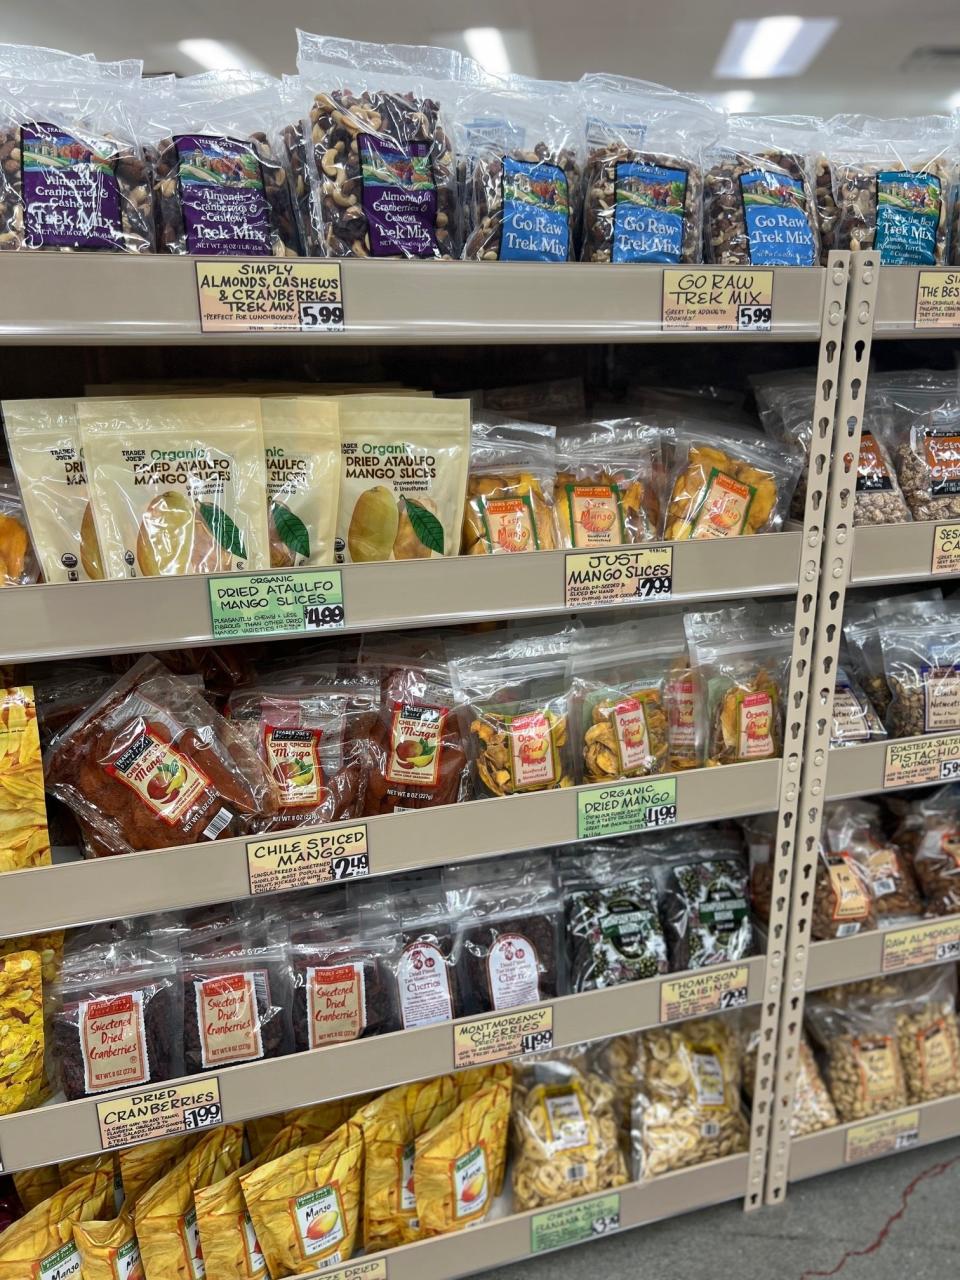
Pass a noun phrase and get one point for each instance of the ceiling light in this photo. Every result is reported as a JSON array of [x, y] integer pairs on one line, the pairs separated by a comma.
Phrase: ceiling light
[[736, 101], [774, 46], [486, 44], [212, 55]]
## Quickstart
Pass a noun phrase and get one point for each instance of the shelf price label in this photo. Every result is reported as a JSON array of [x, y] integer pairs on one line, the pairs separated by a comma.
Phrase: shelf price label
[[938, 300], [159, 1113], [933, 943], [307, 859], [629, 576], [269, 295], [702, 300], [362, 1269], [946, 549], [932, 759], [881, 1136], [574, 1223], [703, 993], [298, 602], [507, 1035], [626, 806]]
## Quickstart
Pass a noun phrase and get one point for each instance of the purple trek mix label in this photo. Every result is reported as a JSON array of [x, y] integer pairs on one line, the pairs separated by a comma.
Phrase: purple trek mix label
[[399, 198], [225, 210], [70, 195]]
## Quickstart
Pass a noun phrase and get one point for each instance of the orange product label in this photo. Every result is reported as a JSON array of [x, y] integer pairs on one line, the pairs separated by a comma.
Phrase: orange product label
[[950, 845], [166, 781], [723, 511], [510, 524], [532, 750], [879, 1067], [229, 1018], [336, 1004], [293, 756], [681, 699], [849, 898], [595, 515], [872, 473], [633, 739], [937, 1054], [114, 1043], [755, 735], [416, 733], [319, 1223]]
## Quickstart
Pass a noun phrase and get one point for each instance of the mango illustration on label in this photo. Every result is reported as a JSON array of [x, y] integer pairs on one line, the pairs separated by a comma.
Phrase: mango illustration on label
[[113, 1042], [509, 523], [294, 759], [167, 782], [319, 1222], [63, 1264], [532, 750], [725, 507], [755, 726], [596, 515], [416, 733], [252, 1252], [471, 1182], [336, 1004], [229, 1019]]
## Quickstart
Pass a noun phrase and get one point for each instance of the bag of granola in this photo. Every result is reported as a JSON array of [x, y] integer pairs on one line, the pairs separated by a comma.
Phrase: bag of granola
[[608, 482], [864, 1069], [843, 901], [41, 1242], [704, 899], [177, 486], [305, 1206], [301, 437], [510, 490], [108, 1249], [643, 175], [854, 828], [921, 661], [382, 159], [515, 697], [402, 477]]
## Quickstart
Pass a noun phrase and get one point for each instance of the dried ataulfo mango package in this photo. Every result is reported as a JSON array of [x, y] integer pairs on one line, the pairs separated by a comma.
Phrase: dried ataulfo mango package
[[21, 1031], [403, 477], [301, 437], [24, 838], [165, 1216], [305, 1206], [459, 1164], [41, 1243], [45, 449], [109, 1249], [143, 1165], [178, 486]]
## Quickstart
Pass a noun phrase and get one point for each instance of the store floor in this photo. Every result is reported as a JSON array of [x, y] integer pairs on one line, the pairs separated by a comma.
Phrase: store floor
[[900, 1213]]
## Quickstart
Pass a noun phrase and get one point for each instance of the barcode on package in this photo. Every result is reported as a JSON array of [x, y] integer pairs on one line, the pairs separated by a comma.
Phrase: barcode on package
[[849, 929], [576, 1172], [217, 824], [883, 887]]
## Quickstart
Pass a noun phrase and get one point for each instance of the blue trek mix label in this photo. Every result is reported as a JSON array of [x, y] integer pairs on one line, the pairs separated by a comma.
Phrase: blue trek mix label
[[399, 198], [778, 226], [536, 212], [225, 209], [648, 220], [70, 194], [908, 214]]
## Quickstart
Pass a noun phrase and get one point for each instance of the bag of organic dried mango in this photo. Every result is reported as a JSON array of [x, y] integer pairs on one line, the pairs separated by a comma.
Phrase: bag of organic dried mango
[[165, 1216], [301, 436], [459, 1164], [177, 486], [44, 441], [403, 477], [305, 1206], [108, 1249], [41, 1243]]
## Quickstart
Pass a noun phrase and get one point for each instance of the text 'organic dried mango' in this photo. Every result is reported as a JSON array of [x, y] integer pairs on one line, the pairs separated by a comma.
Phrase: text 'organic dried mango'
[[40, 1244], [305, 1206], [21, 1031], [24, 840]]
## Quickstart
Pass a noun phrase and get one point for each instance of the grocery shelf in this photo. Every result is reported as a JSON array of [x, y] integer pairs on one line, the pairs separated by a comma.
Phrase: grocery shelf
[[80, 298], [893, 553], [851, 959], [510, 1239], [859, 770], [150, 614], [190, 875], [896, 307], [828, 1150], [62, 1131]]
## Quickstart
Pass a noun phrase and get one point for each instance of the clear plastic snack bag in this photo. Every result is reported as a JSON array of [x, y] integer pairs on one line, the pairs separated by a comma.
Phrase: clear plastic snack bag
[[864, 1068], [853, 718], [759, 206], [843, 901], [854, 828], [921, 660], [928, 1035], [510, 489], [643, 176], [929, 836], [521, 147], [924, 437], [424, 964], [382, 151], [813, 1108], [18, 562], [608, 483], [704, 885]]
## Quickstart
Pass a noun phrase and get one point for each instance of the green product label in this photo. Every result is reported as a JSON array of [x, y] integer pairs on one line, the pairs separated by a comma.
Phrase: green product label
[[574, 1223], [296, 602], [626, 806]]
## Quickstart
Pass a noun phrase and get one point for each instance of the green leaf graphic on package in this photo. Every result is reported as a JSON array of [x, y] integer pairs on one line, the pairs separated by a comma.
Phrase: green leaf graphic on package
[[425, 525], [415, 753], [178, 536], [292, 532]]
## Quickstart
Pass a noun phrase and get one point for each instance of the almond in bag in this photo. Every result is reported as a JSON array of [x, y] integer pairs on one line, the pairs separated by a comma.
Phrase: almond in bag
[[403, 477], [41, 1243], [301, 436], [44, 439], [177, 486]]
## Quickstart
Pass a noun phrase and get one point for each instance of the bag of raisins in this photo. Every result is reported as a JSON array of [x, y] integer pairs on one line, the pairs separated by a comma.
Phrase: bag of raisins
[[705, 902]]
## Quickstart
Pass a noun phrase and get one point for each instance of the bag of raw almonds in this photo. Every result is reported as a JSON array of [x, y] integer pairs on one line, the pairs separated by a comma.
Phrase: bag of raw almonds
[[403, 476], [301, 438], [864, 1067], [108, 1249], [928, 1036], [177, 486], [41, 1243], [45, 449]]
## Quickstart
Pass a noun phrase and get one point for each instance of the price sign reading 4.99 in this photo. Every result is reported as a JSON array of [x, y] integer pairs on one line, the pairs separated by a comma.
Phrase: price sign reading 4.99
[[294, 602]]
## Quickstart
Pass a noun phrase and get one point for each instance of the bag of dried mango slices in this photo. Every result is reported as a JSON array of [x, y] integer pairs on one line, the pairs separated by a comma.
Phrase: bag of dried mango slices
[[40, 1244], [109, 1249], [743, 655], [510, 490], [608, 484], [515, 701]]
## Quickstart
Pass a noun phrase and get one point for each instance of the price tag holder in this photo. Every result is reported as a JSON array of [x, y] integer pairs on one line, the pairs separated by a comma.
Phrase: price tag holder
[[626, 806], [298, 602], [936, 942], [946, 549], [882, 1136], [628, 576], [506, 1035], [362, 1269], [574, 1223], [711, 991], [269, 295], [916, 760], [938, 300], [702, 300], [305, 860], [159, 1113]]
